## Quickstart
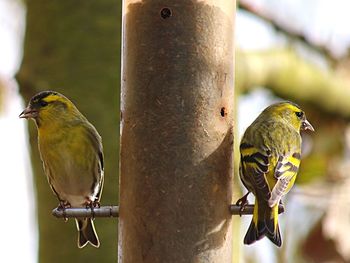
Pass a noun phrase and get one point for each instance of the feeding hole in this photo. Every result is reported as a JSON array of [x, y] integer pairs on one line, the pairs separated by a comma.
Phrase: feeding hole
[[165, 13], [223, 112]]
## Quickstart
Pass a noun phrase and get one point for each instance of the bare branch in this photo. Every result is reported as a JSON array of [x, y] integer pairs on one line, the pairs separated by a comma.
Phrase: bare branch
[[290, 33], [290, 76]]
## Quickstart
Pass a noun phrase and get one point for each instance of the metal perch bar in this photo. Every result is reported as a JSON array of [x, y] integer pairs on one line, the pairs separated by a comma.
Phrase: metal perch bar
[[113, 211], [103, 211], [248, 210]]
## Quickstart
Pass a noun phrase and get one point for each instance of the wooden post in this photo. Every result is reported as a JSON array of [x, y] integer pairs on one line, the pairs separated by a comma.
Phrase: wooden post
[[176, 131]]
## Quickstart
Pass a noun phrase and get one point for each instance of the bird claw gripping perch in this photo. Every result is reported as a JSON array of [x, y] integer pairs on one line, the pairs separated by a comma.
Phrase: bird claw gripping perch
[[242, 202], [96, 204], [62, 206], [281, 205], [93, 204]]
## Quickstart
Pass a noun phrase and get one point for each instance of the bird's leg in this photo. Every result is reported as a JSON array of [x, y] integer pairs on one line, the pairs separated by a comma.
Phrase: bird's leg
[[96, 203], [281, 204], [62, 206], [92, 204], [242, 202]]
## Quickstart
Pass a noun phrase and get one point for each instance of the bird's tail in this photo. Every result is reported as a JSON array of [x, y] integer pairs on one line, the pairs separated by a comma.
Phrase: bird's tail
[[86, 233], [264, 223]]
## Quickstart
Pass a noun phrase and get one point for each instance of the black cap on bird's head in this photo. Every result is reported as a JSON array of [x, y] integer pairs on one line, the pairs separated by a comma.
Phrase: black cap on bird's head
[[35, 104]]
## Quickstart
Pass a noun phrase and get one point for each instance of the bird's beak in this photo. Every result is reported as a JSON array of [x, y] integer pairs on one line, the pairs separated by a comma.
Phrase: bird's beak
[[306, 125], [29, 113]]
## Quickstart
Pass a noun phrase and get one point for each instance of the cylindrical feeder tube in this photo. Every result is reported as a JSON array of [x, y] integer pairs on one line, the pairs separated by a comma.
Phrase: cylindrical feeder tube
[[176, 131]]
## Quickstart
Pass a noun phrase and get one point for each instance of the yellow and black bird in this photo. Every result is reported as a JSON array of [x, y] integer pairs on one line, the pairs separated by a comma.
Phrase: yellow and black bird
[[71, 151], [270, 158]]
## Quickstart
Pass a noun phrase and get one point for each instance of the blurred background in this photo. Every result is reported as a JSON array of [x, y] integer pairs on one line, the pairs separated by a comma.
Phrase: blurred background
[[285, 49]]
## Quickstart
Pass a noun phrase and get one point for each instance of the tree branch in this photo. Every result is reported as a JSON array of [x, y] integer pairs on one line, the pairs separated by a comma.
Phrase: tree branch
[[290, 76], [289, 32]]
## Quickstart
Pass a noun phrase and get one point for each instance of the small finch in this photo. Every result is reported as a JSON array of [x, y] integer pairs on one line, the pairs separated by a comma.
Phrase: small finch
[[270, 158], [71, 152]]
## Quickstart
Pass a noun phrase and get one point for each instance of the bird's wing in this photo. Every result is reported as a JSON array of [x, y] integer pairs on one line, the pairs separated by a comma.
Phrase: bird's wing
[[285, 173], [255, 165], [98, 168], [101, 172]]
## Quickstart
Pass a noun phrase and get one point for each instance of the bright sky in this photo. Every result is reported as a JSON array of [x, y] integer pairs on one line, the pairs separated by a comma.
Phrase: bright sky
[[323, 21]]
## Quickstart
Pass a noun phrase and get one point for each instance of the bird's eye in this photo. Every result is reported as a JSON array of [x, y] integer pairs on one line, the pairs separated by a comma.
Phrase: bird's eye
[[43, 103], [299, 114]]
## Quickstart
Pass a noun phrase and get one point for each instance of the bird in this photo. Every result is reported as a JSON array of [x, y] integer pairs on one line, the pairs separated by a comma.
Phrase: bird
[[72, 154], [270, 152]]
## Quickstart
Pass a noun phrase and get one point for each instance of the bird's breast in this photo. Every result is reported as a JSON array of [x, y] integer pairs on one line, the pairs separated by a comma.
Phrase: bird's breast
[[71, 168]]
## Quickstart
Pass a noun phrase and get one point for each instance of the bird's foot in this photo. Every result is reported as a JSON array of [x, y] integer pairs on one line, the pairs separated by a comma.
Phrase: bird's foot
[[62, 206], [96, 204], [92, 205], [281, 205], [242, 202]]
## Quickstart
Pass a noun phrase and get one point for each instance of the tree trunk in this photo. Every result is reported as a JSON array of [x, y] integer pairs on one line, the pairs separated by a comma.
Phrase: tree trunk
[[73, 47], [177, 131]]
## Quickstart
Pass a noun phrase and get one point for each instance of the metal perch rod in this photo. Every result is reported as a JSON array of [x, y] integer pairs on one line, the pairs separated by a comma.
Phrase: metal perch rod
[[103, 211], [248, 210], [113, 211]]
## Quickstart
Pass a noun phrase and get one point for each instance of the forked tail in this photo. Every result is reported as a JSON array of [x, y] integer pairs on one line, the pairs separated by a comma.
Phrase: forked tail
[[87, 233], [264, 223]]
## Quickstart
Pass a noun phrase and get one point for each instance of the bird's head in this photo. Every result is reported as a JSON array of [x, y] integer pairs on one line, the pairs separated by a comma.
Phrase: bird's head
[[291, 113], [48, 106]]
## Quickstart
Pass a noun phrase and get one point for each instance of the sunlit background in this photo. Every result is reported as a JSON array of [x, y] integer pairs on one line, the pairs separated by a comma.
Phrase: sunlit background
[[315, 34]]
